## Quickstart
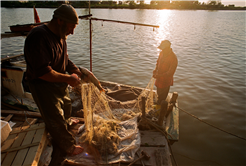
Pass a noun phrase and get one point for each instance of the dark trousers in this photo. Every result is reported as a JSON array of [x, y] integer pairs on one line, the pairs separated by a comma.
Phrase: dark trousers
[[55, 107], [162, 94]]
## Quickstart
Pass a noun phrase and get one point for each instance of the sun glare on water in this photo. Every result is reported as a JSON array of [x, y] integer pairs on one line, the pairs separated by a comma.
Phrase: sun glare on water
[[163, 20]]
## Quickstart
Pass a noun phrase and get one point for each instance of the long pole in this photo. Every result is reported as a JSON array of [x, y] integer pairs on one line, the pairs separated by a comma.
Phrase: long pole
[[90, 46], [90, 37], [125, 22]]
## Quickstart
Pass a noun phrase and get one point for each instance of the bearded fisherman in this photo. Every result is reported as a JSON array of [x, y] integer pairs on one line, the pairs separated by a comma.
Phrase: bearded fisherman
[[49, 72]]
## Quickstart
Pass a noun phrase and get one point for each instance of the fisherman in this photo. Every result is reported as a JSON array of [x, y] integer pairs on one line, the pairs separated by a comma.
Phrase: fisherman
[[47, 67], [165, 68]]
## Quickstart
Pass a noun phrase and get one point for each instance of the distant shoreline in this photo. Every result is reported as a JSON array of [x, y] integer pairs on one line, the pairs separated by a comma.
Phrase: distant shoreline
[[159, 5]]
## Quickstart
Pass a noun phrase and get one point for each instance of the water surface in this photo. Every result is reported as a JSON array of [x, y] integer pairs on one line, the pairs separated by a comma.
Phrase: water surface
[[210, 78]]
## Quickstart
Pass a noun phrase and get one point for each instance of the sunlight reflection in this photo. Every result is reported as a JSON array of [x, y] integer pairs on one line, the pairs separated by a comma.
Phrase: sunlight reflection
[[163, 20]]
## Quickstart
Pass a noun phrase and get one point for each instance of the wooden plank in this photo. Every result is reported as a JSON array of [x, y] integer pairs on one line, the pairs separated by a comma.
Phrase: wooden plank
[[6, 145], [18, 119], [12, 106], [43, 144], [16, 129], [36, 138], [11, 155], [35, 152], [35, 128], [8, 117], [26, 128], [19, 159], [160, 158], [151, 151], [17, 124], [14, 141], [20, 147], [22, 113], [30, 121], [152, 139]]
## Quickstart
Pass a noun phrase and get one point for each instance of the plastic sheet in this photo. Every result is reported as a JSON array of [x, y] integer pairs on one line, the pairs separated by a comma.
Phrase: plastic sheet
[[129, 143]]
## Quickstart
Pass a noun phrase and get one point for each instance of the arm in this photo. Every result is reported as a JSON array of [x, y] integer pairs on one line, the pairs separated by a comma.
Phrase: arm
[[54, 76], [72, 68], [155, 71]]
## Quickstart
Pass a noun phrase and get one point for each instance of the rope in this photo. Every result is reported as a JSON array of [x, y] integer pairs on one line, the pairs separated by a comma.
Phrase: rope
[[169, 145], [26, 117], [209, 123], [199, 160]]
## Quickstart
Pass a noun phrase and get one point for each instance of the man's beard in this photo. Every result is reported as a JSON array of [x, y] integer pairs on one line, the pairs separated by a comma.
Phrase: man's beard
[[63, 30]]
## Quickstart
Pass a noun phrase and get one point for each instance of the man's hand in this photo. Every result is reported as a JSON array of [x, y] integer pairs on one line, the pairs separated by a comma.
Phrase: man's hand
[[77, 71], [73, 80], [154, 73]]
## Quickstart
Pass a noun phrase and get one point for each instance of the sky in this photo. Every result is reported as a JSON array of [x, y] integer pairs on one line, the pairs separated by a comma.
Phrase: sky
[[229, 2], [224, 2]]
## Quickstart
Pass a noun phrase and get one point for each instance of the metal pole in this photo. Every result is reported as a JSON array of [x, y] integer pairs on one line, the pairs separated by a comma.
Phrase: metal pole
[[90, 38], [90, 46], [125, 22]]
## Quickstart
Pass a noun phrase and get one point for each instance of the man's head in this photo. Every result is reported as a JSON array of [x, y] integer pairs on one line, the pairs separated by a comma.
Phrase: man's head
[[164, 44], [67, 19], [67, 13]]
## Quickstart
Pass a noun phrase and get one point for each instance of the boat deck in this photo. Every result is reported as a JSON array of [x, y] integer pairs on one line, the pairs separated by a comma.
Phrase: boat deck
[[24, 145], [153, 141]]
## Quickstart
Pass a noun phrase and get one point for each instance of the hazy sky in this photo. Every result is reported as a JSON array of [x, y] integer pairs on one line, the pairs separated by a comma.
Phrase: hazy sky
[[227, 2], [224, 2]]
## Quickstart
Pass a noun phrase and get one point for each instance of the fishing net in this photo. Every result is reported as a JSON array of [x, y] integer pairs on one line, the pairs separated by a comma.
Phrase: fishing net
[[111, 124]]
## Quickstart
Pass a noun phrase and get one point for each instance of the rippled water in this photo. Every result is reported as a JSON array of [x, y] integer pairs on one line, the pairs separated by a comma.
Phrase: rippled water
[[210, 78]]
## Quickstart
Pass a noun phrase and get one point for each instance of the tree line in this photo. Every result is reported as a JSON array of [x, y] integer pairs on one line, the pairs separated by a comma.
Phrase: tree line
[[188, 5]]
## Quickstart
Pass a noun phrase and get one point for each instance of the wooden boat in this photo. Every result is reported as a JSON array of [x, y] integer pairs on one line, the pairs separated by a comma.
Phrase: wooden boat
[[26, 144], [19, 98], [21, 28], [25, 27]]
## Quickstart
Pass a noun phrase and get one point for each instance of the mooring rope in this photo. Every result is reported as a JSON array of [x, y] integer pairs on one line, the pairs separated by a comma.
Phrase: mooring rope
[[169, 145], [208, 123], [199, 160], [26, 117]]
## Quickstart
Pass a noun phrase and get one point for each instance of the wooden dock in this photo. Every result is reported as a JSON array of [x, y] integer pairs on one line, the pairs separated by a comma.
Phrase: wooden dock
[[24, 146]]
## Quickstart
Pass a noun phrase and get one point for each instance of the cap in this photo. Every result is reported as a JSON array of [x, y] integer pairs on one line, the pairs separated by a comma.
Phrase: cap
[[164, 44], [67, 13]]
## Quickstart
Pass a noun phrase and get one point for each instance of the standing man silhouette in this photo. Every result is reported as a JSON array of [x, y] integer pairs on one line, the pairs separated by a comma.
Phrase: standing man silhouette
[[166, 65]]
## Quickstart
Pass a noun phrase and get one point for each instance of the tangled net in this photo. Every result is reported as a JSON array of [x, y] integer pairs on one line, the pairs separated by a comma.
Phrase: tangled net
[[102, 115]]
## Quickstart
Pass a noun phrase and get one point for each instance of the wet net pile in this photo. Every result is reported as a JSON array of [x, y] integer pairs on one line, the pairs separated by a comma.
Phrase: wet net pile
[[105, 117]]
